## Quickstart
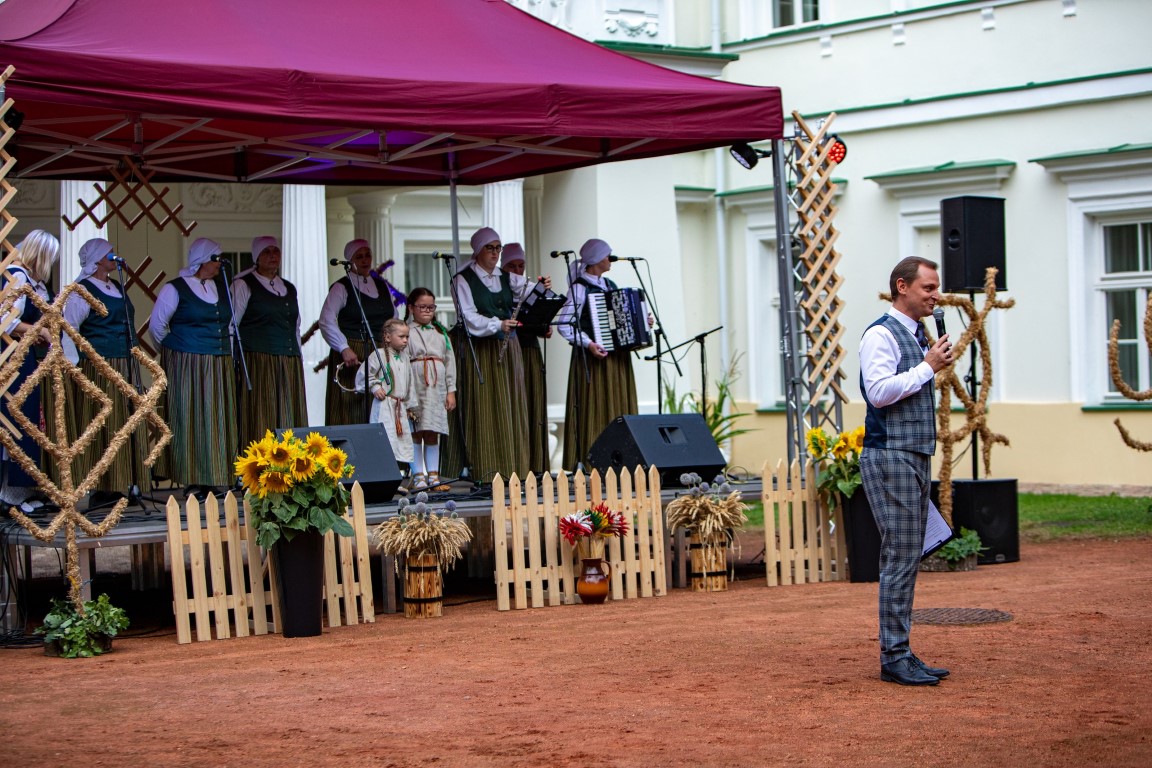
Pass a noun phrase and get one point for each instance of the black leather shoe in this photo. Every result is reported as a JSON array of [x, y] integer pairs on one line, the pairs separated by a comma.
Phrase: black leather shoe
[[937, 672], [906, 672]]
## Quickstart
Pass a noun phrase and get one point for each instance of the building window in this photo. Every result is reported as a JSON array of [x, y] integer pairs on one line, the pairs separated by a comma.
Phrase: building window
[[786, 13], [1126, 282], [421, 269]]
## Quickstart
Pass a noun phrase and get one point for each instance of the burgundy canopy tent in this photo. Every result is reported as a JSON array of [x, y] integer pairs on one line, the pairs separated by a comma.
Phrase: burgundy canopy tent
[[391, 92]]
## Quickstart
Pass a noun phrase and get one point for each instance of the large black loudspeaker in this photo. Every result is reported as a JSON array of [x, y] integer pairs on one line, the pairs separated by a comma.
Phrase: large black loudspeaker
[[675, 443], [990, 508], [971, 240], [369, 452]]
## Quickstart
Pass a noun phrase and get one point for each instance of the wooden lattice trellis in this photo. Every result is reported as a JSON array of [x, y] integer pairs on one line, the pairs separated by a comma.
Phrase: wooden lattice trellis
[[56, 371], [815, 267], [130, 180], [1118, 378]]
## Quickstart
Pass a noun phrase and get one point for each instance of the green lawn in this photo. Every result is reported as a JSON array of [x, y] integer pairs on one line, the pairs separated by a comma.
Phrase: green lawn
[[1051, 516]]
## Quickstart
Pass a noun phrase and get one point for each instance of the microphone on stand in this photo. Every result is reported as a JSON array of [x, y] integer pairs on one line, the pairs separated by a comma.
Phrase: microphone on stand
[[558, 254], [445, 256], [340, 262], [218, 257], [938, 316], [626, 258], [116, 259]]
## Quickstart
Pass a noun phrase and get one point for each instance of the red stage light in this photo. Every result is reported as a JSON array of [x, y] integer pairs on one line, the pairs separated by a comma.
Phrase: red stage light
[[839, 149]]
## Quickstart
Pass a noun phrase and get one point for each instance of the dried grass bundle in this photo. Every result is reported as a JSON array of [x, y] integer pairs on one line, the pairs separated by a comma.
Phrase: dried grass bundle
[[419, 530], [704, 511]]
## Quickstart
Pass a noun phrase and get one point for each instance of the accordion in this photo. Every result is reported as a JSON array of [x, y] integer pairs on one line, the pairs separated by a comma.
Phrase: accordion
[[620, 319]]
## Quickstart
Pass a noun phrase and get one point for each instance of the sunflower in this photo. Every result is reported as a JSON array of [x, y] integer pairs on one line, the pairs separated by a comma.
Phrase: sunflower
[[248, 469], [316, 444], [333, 462], [817, 442], [281, 454], [302, 466], [858, 439], [276, 482], [842, 448]]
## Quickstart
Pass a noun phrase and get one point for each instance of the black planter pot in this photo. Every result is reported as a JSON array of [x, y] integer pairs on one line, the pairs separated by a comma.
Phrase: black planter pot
[[300, 576], [863, 538]]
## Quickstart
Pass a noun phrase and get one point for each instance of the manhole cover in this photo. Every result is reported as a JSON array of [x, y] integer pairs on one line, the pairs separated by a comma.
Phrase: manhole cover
[[959, 616]]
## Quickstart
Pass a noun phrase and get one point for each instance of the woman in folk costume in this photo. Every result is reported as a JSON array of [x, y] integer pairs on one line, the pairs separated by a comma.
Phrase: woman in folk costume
[[111, 336], [601, 385], [343, 329], [434, 377], [191, 322], [389, 382], [534, 385], [35, 256], [493, 413], [268, 315]]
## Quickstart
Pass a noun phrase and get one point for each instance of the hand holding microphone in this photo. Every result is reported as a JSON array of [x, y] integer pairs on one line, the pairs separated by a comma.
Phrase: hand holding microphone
[[939, 356]]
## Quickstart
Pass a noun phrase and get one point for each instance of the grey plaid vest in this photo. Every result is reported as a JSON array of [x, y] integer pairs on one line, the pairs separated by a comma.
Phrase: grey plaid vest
[[908, 424]]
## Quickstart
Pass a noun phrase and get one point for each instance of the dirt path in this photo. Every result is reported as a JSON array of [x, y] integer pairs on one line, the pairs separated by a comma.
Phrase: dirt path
[[755, 676]]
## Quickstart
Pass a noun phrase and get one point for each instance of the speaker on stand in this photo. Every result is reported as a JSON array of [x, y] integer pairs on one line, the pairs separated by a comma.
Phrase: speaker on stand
[[972, 239]]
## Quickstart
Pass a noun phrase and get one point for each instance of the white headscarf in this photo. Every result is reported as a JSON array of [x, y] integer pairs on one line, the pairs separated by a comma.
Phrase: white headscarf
[[353, 246], [200, 252], [91, 254], [261, 243], [512, 252], [592, 252], [481, 238]]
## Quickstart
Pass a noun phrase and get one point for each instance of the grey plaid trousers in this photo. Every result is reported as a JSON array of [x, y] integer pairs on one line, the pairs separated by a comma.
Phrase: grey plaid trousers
[[897, 485]]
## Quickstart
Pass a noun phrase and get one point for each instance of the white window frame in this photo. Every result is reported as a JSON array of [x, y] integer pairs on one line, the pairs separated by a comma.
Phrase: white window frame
[[1102, 189]]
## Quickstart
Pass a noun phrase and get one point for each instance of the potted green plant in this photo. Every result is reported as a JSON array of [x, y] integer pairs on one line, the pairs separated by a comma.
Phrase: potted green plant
[[710, 513], [959, 554], [295, 497], [72, 631], [427, 541]]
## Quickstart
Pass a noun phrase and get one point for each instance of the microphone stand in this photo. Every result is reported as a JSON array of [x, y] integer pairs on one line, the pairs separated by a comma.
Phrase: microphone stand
[[465, 459], [703, 365], [366, 333], [237, 347], [574, 322], [658, 331]]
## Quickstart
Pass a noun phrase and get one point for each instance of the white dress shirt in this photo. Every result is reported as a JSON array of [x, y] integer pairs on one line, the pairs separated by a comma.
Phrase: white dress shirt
[[568, 318], [76, 311], [335, 301], [879, 355]]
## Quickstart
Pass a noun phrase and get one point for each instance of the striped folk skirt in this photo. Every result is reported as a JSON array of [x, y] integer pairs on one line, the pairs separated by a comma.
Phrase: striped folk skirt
[[607, 392], [342, 407], [84, 410], [277, 397], [537, 405], [201, 411], [494, 414]]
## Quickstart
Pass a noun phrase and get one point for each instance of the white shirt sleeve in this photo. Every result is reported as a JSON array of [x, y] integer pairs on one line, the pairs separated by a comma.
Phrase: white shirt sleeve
[[569, 314], [329, 328], [240, 295], [166, 302], [16, 279], [75, 313], [879, 356]]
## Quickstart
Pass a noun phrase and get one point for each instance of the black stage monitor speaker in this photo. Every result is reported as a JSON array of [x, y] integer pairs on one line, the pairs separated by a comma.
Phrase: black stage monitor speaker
[[971, 240], [989, 507], [675, 443], [369, 452]]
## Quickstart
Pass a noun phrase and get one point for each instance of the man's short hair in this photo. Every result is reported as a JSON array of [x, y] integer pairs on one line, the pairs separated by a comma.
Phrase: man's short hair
[[908, 269]]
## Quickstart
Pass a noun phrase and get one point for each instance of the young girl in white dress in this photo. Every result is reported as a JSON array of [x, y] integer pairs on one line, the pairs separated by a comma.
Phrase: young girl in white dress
[[434, 378], [390, 382]]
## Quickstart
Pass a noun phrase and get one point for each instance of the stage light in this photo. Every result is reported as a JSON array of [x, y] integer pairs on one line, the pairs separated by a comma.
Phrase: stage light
[[839, 149], [747, 155]]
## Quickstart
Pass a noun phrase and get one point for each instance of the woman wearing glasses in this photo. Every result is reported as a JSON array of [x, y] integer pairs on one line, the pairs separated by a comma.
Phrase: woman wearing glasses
[[493, 413]]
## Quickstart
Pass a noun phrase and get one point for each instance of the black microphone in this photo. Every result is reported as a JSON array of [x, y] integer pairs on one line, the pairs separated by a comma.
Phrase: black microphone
[[938, 316], [340, 262], [438, 255], [558, 254], [116, 259], [218, 257], [626, 258]]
